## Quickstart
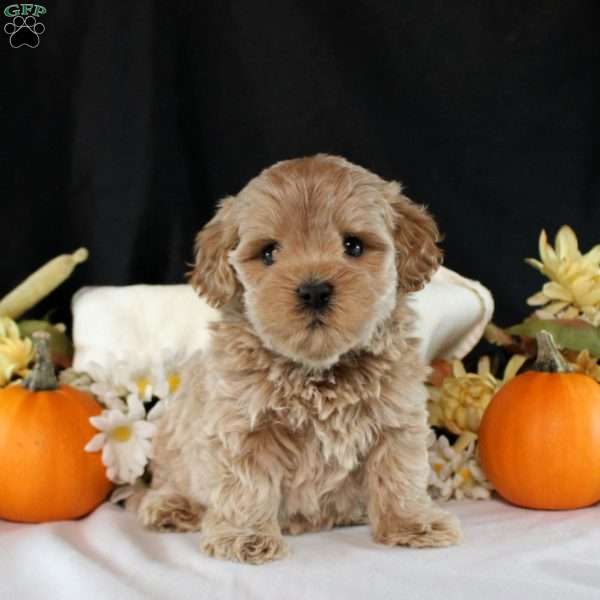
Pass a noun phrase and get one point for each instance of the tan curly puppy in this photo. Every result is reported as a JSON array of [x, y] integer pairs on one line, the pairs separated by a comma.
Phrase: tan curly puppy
[[308, 409]]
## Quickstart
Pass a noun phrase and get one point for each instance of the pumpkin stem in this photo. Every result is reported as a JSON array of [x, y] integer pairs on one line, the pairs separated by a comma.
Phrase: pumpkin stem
[[549, 359], [42, 376]]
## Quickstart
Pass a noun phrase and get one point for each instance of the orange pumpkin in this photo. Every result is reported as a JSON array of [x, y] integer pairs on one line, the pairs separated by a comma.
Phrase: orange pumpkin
[[539, 439], [45, 474]]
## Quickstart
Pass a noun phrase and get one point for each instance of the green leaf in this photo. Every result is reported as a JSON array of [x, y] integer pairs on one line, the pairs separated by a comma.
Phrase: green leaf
[[571, 334]]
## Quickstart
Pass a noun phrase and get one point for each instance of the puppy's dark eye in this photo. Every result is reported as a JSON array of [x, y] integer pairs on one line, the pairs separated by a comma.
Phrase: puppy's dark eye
[[267, 254], [353, 246]]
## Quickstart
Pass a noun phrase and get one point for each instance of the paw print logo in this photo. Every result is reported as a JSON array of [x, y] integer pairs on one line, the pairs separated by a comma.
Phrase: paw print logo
[[24, 31]]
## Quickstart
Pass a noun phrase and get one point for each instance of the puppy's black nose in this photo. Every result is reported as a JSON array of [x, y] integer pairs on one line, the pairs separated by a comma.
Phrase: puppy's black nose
[[315, 294]]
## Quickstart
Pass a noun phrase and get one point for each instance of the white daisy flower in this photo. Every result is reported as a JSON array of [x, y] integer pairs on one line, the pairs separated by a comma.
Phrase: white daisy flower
[[455, 472], [143, 382], [168, 374], [108, 384], [124, 439], [119, 379]]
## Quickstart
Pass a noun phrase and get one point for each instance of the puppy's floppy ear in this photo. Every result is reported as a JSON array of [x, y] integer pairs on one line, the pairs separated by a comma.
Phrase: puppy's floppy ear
[[415, 238], [212, 276]]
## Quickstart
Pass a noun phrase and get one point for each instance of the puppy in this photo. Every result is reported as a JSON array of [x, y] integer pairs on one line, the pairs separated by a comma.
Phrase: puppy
[[308, 409]]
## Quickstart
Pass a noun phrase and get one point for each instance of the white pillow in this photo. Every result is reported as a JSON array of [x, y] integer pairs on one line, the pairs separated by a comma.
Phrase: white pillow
[[453, 312], [139, 323]]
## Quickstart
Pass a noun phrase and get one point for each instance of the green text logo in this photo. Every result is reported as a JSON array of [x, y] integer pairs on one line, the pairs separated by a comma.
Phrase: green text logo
[[12, 10]]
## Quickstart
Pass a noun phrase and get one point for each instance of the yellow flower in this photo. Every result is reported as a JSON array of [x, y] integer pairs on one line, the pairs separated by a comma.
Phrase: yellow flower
[[9, 329], [459, 403], [585, 363], [15, 356], [574, 287]]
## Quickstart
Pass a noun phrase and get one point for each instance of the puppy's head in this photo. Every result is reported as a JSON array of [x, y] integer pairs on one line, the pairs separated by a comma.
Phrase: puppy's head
[[317, 250]]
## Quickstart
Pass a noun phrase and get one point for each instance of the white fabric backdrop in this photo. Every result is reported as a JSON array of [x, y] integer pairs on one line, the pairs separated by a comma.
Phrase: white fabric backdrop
[[508, 554]]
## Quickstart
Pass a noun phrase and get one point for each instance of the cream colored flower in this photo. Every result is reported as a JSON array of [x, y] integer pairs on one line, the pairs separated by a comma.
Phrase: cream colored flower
[[586, 363], [15, 356], [9, 329], [455, 472], [459, 403], [125, 440], [574, 287]]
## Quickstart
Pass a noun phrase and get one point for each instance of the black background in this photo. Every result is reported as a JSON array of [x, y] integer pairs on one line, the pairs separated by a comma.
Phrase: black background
[[127, 123]]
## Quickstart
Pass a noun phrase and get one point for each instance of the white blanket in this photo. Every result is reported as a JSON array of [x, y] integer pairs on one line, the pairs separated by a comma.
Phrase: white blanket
[[508, 553]]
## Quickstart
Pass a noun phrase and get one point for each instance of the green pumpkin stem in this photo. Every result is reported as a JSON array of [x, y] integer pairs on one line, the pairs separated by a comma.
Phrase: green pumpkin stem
[[549, 359], [42, 376]]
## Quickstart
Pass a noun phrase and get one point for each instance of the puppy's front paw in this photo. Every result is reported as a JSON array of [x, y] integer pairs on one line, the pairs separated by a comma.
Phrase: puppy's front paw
[[169, 513], [433, 528], [252, 548]]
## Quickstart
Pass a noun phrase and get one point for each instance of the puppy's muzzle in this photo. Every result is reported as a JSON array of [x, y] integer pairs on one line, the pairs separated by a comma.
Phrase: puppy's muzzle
[[315, 295]]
